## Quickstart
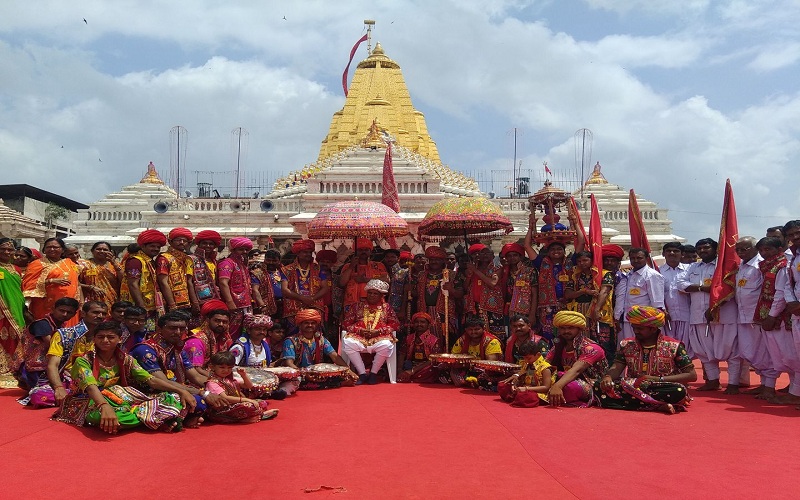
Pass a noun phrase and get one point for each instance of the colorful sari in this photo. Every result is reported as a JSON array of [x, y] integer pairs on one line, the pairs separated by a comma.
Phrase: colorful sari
[[43, 296], [12, 324], [107, 277], [131, 406], [244, 412]]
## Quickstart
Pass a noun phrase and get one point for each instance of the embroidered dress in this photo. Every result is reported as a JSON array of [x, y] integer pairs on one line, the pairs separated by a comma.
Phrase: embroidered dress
[[306, 352], [66, 344], [237, 413], [141, 267], [262, 280], [520, 288], [156, 355], [302, 282], [177, 266], [354, 291], [12, 323], [107, 277], [418, 348], [236, 271], [364, 316], [488, 302], [204, 279], [553, 278], [202, 344], [430, 299]]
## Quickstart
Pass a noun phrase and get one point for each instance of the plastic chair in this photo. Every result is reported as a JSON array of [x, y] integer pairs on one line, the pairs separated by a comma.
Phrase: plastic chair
[[391, 363]]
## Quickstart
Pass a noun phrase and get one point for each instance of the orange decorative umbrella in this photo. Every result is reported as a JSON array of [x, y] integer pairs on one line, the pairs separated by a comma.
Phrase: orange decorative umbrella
[[356, 219]]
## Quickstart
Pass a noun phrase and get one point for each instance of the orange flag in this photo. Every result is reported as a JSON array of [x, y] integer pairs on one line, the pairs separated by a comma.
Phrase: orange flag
[[596, 241], [723, 283], [636, 225]]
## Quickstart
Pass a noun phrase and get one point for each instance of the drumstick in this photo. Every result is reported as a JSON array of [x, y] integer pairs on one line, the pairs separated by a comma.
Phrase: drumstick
[[445, 276]]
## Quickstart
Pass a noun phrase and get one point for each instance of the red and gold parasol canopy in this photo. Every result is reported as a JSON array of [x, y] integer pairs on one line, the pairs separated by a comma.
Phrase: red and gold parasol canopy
[[454, 217], [356, 219]]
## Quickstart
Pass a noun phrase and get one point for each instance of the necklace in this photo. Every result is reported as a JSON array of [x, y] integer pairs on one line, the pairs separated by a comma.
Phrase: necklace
[[104, 362], [371, 317]]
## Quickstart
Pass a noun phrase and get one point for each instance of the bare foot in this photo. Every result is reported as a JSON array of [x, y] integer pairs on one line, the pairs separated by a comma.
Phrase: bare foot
[[193, 422], [269, 414], [788, 399], [755, 391], [667, 408], [710, 385], [767, 394], [731, 389]]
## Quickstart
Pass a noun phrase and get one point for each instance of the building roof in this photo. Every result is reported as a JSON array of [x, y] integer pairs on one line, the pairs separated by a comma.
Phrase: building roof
[[15, 191]]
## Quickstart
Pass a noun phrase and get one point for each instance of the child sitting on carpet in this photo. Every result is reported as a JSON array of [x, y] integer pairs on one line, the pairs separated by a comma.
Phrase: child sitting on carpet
[[221, 381], [526, 388]]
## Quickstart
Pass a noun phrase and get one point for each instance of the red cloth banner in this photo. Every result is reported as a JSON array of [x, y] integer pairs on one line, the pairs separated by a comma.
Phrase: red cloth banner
[[636, 225], [596, 241], [347, 68], [389, 197], [723, 283]]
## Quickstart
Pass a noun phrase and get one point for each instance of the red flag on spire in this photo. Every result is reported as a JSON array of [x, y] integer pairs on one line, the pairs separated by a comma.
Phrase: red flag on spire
[[347, 68], [390, 198], [723, 283], [636, 225], [596, 241], [547, 169]]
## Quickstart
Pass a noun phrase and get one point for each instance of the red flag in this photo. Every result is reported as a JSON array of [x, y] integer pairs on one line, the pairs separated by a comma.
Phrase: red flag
[[547, 169], [390, 198], [596, 241], [347, 68], [723, 284], [636, 225]]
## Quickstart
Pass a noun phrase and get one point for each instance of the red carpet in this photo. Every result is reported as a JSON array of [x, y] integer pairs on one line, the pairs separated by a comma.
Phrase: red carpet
[[428, 442]]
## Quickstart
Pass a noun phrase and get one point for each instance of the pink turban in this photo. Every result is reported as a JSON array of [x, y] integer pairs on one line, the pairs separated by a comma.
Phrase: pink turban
[[328, 256], [613, 251], [435, 253], [258, 321], [303, 245], [308, 315], [241, 242], [477, 247], [646, 316], [151, 236], [208, 235], [180, 231], [212, 305], [512, 247]]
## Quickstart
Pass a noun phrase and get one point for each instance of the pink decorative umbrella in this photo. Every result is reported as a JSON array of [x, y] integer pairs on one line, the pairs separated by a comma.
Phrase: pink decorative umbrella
[[356, 219], [465, 216]]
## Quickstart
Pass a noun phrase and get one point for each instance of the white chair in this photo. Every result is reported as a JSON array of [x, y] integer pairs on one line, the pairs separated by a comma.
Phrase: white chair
[[391, 363]]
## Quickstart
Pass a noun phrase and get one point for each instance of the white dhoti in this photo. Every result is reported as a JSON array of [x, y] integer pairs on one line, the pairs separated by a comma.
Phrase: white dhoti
[[720, 345], [381, 351], [782, 352], [679, 330], [753, 350]]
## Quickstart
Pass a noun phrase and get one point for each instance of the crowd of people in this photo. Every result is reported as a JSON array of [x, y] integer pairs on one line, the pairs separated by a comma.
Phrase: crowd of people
[[172, 338]]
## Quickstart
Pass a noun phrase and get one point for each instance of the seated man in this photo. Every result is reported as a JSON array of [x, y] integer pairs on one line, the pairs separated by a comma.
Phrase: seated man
[[369, 327], [521, 332], [65, 345], [309, 347], [253, 350], [478, 342], [657, 368], [36, 340], [420, 344], [212, 336], [576, 359]]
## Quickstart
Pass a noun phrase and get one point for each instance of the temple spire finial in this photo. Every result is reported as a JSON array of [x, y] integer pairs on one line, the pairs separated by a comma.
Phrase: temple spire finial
[[369, 23]]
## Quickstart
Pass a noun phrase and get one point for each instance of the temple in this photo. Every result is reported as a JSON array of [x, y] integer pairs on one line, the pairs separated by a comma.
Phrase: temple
[[377, 110]]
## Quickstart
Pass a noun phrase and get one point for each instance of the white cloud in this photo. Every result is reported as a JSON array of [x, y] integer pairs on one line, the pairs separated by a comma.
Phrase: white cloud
[[776, 57]]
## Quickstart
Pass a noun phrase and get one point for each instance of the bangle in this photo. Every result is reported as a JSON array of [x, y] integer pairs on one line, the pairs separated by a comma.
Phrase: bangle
[[58, 387], [660, 379], [101, 405], [205, 394]]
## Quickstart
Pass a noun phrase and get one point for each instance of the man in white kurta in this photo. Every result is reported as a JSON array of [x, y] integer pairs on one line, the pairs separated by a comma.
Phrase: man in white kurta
[[786, 297], [711, 341], [676, 302], [641, 286], [752, 345]]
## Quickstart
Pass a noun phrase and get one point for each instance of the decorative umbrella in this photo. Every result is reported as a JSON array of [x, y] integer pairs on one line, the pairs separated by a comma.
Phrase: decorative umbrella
[[356, 219], [462, 217]]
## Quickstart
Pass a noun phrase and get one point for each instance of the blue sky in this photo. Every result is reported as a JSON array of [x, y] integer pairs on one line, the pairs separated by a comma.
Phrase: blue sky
[[678, 94]]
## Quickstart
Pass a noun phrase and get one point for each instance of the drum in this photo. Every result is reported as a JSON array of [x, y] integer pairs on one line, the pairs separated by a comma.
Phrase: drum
[[495, 367], [452, 360], [322, 372], [284, 373], [263, 380]]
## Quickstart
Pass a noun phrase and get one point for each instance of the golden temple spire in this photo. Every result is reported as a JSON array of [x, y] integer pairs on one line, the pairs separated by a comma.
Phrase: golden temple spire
[[597, 176], [378, 92], [151, 177]]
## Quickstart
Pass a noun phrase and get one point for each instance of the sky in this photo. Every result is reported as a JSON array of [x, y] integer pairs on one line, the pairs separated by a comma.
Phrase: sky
[[679, 95]]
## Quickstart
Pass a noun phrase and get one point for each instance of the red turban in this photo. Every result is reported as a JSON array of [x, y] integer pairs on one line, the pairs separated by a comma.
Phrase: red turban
[[209, 235], [241, 242], [308, 315], [435, 253], [613, 251], [151, 236], [303, 245], [363, 244], [404, 256], [422, 315], [512, 247], [477, 247], [329, 256], [212, 305], [180, 231]]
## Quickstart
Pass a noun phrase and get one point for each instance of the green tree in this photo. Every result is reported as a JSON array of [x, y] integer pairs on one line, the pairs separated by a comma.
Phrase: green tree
[[54, 213]]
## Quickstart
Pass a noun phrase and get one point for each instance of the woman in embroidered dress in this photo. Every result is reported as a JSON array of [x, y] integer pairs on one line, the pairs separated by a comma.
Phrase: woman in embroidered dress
[[101, 275], [12, 321], [241, 409], [48, 279], [104, 379], [658, 368]]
